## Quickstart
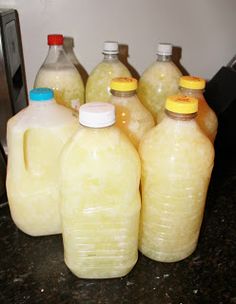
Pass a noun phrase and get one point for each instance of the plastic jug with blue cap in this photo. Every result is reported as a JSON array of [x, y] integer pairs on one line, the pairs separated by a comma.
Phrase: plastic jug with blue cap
[[35, 138]]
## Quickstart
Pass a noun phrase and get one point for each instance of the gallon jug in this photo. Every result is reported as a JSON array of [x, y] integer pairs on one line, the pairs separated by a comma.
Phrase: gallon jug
[[159, 81], [177, 161], [131, 115], [206, 118], [35, 138], [100, 175], [98, 84], [59, 74]]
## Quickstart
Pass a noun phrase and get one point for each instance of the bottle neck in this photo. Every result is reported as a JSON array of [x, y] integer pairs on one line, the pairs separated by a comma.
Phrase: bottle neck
[[190, 92], [164, 58], [123, 93], [42, 103], [57, 55], [110, 56], [178, 116]]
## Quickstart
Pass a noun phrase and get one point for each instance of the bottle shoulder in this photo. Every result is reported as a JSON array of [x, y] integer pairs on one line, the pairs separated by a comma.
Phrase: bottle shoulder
[[172, 133], [43, 116], [159, 70], [115, 68], [101, 141]]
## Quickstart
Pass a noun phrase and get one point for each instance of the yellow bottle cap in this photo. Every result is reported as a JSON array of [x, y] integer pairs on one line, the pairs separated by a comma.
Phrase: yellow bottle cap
[[181, 104], [192, 82], [124, 84]]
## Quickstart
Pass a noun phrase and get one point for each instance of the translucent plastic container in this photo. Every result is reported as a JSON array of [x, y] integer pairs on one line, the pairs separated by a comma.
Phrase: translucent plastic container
[[159, 81], [35, 138], [206, 118], [100, 175], [131, 116], [177, 160], [59, 74], [98, 84]]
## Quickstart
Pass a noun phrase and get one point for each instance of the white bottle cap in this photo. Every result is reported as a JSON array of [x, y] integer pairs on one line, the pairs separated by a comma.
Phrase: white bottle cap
[[110, 47], [164, 49], [97, 114]]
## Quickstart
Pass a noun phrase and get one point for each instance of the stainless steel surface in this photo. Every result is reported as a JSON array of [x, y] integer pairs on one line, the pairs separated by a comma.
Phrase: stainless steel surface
[[2, 175], [13, 91]]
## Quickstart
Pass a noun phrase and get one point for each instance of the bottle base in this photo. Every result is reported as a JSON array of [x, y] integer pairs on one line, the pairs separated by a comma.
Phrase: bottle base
[[100, 273], [167, 257]]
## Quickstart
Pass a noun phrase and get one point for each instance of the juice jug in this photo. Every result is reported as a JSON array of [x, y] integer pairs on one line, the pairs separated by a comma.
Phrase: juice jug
[[131, 115], [206, 118], [98, 84], [177, 161], [59, 74], [159, 81], [35, 138], [100, 175]]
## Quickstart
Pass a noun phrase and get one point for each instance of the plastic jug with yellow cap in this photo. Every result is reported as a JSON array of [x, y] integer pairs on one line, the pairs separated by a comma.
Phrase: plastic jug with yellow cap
[[131, 115], [177, 160], [100, 175], [193, 86]]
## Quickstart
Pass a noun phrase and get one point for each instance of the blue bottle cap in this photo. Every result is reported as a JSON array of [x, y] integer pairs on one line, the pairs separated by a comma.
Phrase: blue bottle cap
[[41, 94]]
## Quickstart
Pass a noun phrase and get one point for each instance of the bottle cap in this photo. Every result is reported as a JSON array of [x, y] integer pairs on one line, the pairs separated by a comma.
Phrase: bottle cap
[[192, 82], [124, 84], [56, 39], [97, 114], [164, 49], [110, 47], [181, 104], [41, 94]]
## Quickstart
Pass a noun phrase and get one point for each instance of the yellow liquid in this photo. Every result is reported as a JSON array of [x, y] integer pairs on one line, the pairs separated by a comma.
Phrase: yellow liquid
[[206, 117], [177, 160], [132, 117], [98, 84], [100, 203], [158, 82], [33, 177], [67, 85]]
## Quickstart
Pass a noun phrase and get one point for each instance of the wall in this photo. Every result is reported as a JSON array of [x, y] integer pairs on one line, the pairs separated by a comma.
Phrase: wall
[[203, 29]]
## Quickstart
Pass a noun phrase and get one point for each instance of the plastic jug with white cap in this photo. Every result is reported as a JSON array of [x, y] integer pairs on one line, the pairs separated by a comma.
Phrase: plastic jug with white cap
[[100, 175]]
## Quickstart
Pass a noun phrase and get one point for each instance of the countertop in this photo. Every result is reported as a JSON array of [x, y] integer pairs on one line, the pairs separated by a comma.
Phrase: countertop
[[32, 268]]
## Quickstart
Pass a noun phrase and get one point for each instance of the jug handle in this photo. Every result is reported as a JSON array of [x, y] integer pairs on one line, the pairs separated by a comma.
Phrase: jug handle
[[24, 154]]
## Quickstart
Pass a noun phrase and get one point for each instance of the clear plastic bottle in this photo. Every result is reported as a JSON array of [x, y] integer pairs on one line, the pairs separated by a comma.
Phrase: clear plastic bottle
[[177, 160], [100, 175], [59, 74], [159, 81], [206, 118], [98, 84], [35, 138], [131, 115]]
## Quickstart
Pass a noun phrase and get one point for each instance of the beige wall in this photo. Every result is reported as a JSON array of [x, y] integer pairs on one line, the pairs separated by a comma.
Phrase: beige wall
[[204, 29]]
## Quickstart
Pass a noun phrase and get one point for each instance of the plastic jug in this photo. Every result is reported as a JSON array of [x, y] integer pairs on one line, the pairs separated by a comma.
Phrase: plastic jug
[[59, 74], [100, 175], [131, 115], [98, 84], [35, 138], [206, 118], [177, 160], [159, 81]]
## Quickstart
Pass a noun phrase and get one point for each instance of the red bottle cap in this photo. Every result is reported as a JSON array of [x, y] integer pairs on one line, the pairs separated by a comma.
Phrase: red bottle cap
[[55, 39]]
